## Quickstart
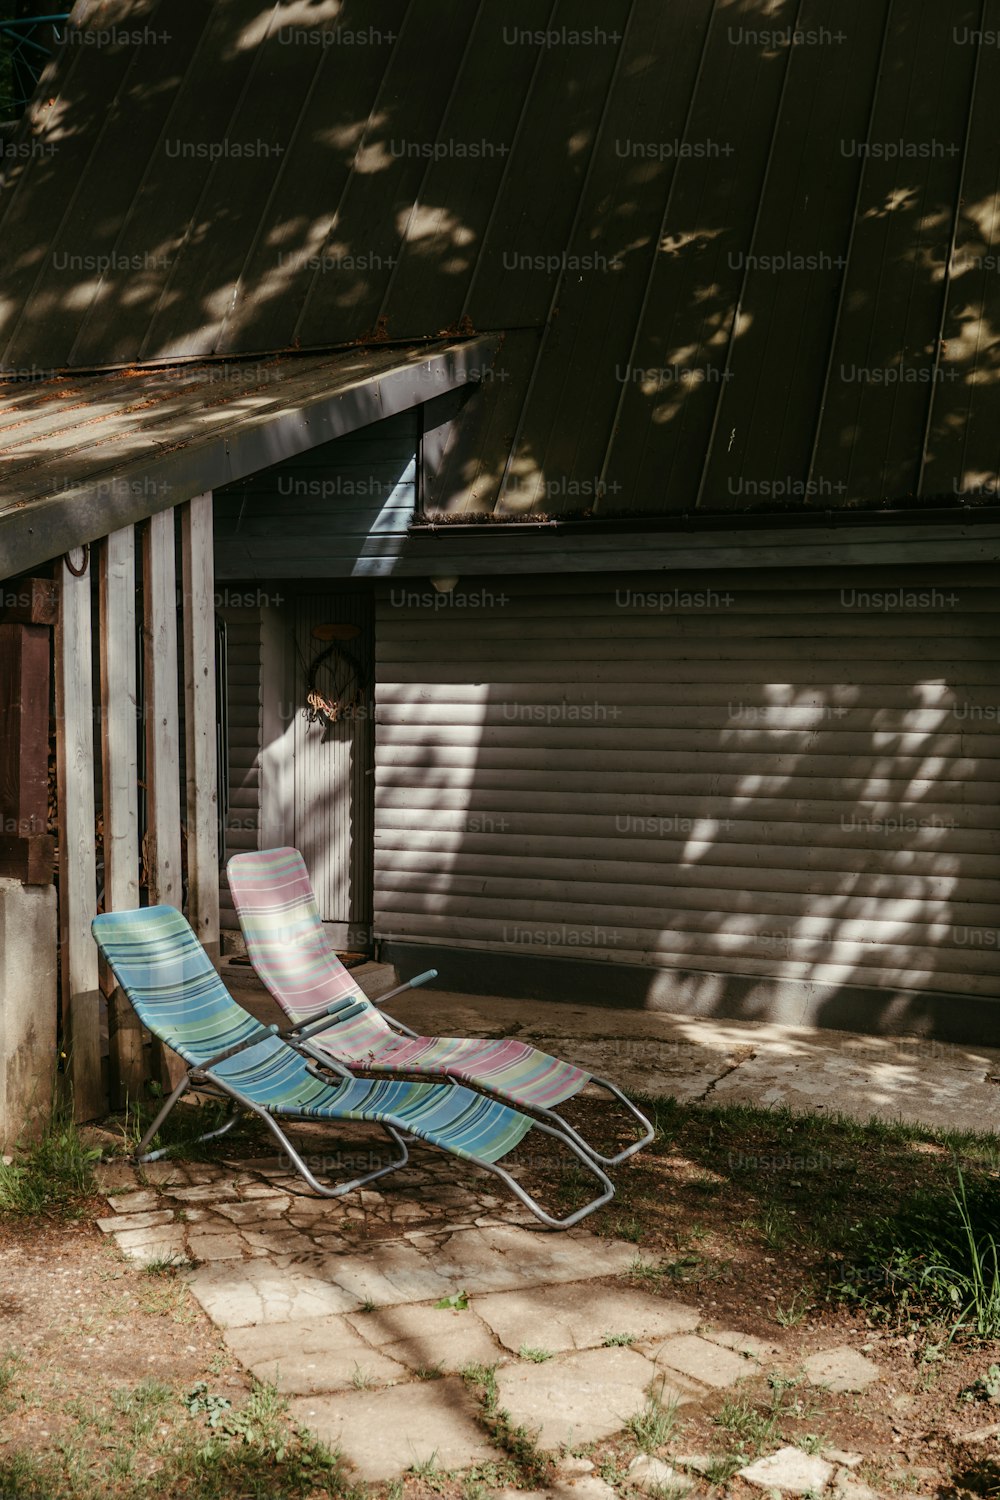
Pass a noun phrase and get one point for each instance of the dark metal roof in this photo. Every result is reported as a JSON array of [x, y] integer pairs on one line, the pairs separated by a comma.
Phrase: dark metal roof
[[83, 454], [743, 250]]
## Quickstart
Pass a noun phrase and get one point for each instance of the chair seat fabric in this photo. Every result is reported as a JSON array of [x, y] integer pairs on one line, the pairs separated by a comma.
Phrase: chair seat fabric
[[178, 995], [290, 951], [510, 1067]]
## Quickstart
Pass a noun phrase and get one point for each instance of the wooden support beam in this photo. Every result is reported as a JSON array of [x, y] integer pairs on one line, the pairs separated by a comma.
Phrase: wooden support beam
[[27, 853], [163, 809], [201, 759], [30, 860], [77, 853], [121, 792], [30, 601], [24, 743]]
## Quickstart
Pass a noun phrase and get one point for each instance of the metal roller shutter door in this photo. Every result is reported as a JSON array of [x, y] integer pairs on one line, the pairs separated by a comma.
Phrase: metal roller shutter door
[[777, 772]]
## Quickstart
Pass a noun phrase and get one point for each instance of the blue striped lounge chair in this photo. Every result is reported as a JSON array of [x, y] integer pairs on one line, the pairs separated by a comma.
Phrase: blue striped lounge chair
[[177, 994]]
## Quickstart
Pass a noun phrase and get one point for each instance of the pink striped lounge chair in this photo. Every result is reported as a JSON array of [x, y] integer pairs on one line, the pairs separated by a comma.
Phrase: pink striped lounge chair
[[289, 949]]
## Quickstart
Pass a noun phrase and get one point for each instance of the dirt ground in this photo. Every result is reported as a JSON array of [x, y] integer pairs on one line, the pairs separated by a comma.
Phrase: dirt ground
[[739, 1232]]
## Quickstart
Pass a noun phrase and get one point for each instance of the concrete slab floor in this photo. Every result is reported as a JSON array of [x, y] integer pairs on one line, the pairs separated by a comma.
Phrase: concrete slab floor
[[940, 1085]]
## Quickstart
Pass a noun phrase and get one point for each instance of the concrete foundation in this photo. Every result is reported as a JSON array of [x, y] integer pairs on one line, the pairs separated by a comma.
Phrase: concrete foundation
[[28, 932]]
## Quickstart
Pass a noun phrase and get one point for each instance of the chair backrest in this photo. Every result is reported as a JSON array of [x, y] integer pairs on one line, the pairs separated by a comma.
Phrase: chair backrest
[[157, 959], [284, 933]]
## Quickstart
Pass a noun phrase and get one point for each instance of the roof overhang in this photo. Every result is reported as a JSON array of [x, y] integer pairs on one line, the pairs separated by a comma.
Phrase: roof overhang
[[84, 454]]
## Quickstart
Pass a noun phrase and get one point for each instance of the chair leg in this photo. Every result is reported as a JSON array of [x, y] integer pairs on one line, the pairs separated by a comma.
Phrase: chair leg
[[341, 1188], [649, 1129], [141, 1155], [243, 1102], [539, 1212]]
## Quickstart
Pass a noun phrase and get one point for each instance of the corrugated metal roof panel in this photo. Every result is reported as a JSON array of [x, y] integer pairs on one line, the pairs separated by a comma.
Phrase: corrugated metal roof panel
[[592, 177], [83, 454]]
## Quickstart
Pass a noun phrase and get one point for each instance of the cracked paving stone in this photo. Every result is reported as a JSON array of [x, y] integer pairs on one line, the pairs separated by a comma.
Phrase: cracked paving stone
[[428, 1337], [580, 1398], [147, 1245], [487, 1260], [742, 1343], [841, 1369], [256, 1211], [215, 1247], [311, 1356], [237, 1295], [580, 1316], [136, 1221], [115, 1177], [386, 1273], [704, 1361], [134, 1203], [205, 1192], [384, 1433], [790, 1470]]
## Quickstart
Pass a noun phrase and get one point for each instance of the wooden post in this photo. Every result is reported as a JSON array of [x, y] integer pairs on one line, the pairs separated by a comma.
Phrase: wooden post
[[201, 760], [27, 852], [77, 853], [163, 809], [121, 792]]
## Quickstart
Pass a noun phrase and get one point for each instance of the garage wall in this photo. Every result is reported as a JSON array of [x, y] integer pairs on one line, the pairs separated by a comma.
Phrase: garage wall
[[790, 774]]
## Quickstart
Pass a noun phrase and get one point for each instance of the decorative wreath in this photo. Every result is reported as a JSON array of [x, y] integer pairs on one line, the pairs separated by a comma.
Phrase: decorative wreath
[[334, 683]]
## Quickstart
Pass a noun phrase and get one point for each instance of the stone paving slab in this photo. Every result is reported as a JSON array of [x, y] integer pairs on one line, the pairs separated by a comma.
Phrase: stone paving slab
[[136, 1221], [325, 1354], [582, 1397], [580, 1316], [427, 1337], [937, 1084], [145, 1246], [704, 1361], [841, 1369], [790, 1471], [653, 1474], [586, 1487], [741, 1343], [383, 1433], [238, 1294], [949, 1094]]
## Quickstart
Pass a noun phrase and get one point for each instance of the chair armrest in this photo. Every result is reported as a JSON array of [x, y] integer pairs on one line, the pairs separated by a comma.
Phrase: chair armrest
[[337, 1011], [411, 984]]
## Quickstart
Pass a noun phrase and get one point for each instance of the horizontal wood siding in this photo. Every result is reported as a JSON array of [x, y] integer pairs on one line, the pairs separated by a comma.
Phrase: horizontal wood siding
[[332, 512], [243, 703], [794, 773]]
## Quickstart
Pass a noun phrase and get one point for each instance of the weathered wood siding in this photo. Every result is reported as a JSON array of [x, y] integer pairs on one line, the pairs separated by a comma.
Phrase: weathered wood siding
[[243, 702], [793, 773]]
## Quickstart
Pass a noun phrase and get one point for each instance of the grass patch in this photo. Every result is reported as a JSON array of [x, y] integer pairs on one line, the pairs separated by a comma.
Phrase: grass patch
[[654, 1424], [183, 1128], [530, 1467], [148, 1441], [934, 1260], [537, 1356], [51, 1177]]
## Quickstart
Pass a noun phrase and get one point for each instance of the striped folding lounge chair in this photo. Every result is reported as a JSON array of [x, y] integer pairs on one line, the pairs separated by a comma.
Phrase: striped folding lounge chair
[[173, 986], [290, 951]]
